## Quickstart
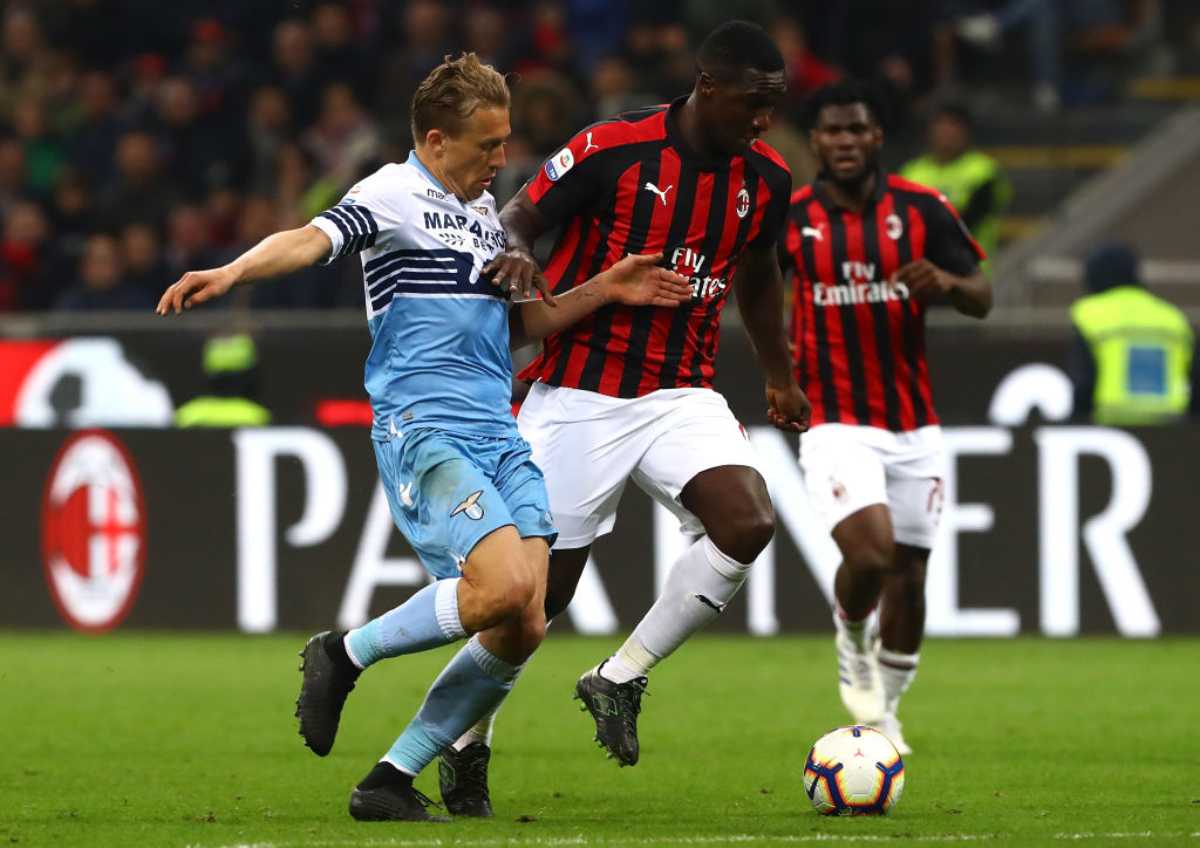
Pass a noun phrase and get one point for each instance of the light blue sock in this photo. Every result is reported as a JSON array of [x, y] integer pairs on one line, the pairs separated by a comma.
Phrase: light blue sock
[[471, 685], [427, 620]]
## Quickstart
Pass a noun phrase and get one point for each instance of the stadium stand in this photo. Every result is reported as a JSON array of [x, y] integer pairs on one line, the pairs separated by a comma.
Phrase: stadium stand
[[186, 131]]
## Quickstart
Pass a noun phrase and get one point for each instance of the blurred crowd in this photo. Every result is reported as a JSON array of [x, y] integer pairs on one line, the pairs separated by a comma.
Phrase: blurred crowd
[[142, 139]]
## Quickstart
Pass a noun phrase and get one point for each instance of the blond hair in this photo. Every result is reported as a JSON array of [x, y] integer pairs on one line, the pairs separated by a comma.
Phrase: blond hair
[[452, 92]]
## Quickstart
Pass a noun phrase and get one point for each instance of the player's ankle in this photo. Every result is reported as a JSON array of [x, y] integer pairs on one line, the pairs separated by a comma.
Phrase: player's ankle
[[335, 648], [385, 774], [615, 671]]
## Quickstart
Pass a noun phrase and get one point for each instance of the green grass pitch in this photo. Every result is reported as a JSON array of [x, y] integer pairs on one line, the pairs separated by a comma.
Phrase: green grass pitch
[[176, 740]]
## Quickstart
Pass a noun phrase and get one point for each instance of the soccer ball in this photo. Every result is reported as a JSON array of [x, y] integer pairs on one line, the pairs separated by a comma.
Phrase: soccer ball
[[853, 771]]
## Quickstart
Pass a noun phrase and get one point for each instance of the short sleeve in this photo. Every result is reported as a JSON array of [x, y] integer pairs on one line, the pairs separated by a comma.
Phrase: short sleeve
[[354, 223], [777, 177], [573, 177], [948, 243], [775, 215]]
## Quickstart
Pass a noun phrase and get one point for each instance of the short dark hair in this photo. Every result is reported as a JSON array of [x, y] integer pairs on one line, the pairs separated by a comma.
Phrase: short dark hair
[[845, 92], [736, 46], [956, 110]]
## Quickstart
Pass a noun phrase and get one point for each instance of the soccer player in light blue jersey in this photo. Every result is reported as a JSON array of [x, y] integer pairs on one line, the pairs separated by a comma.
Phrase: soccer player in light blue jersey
[[458, 476]]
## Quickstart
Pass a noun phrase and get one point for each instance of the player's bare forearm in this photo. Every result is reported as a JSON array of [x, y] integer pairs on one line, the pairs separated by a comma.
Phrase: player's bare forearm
[[277, 254], [972, 295], [758, 285], [636, 280], [534, 320], [281, 253]]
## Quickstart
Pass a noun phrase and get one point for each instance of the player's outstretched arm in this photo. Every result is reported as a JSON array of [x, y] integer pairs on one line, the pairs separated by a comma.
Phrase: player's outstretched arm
[[636, 280], [758, 285], [970, 294], [277, 254]]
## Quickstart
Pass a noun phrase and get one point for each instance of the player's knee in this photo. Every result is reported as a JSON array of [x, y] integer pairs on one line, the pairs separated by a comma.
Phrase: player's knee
[[909, 577], [509, 591], [744, 535], [566, 567], [518, 592], [533, 629], [871, 553], [558, 598]]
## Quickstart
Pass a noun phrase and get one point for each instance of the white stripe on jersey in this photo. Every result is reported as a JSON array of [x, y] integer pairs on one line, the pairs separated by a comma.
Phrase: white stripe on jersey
[[439, 241]]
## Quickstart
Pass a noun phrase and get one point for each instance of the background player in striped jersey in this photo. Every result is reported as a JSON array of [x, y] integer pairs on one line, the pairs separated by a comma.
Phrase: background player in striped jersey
[[628, 393], [457, 474], [870, 252]]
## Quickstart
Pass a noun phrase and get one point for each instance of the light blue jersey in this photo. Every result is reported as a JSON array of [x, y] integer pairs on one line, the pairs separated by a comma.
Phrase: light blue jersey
[[439, 354], [451, 462]]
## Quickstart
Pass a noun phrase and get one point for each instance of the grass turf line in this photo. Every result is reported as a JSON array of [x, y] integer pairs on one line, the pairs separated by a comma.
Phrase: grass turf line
[[190, 740]]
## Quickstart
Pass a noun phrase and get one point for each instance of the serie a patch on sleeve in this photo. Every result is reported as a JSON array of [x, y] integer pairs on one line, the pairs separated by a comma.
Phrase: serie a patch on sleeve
[[559, 164]]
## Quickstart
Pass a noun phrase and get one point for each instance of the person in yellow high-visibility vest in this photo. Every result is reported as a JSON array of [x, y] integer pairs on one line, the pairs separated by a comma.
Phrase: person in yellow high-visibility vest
[[231, 366], [971, 180], [1132, 363]]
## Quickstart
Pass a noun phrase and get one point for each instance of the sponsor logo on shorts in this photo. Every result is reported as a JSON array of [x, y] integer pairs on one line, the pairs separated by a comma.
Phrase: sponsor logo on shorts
[[838, 490], [937, 497], [406, 494], [93, 531], [470, 506]]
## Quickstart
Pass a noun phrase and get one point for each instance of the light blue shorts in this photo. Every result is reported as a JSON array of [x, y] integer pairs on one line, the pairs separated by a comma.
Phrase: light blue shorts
[[447, 491]]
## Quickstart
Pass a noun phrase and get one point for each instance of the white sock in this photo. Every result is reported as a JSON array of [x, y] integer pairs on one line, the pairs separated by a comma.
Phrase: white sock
[[859, 633], [480, 731], [897, 672], [702, 581]]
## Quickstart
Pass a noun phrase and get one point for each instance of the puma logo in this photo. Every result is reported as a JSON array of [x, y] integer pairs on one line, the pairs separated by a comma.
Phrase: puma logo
[[720, 608], [589, 145], [406, 493], [662, 193], [814, 232]]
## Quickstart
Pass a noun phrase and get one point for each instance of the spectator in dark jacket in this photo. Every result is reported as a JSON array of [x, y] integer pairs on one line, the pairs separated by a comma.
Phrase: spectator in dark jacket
[[101, 283]]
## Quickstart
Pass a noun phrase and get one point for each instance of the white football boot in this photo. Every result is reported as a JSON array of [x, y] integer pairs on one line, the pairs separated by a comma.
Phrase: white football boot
[[858, 677], [890, 727]]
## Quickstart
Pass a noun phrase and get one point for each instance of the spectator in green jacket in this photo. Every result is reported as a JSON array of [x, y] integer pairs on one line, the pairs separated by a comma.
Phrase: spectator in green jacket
[[970, 178], [231, 366], [1132, 362]]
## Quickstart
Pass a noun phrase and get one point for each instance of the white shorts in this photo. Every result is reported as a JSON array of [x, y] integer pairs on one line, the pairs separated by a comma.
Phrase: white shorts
[[847, 468], [588, 444]]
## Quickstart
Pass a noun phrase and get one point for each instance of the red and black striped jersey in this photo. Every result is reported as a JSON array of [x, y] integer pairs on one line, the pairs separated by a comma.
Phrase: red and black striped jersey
[[858, 338], [631, 184]]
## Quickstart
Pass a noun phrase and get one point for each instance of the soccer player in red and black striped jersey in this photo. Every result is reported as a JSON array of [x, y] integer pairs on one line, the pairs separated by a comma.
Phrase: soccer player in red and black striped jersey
[[870, 252], [628, 393]]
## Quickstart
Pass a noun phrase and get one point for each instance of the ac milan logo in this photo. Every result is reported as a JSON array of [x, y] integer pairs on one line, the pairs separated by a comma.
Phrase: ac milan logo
[[743, 203], [93, 531], [894, 227]]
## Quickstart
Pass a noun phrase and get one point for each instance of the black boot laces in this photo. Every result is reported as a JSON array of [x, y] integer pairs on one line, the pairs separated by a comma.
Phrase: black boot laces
[[629, 696]]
